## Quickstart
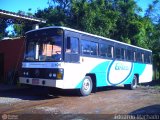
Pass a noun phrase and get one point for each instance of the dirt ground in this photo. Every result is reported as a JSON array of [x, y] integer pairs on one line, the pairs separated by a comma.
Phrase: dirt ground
[[104, 103]]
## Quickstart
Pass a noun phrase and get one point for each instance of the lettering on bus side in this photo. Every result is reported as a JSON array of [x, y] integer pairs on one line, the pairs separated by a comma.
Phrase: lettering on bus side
[[118, 72], [120, 66]]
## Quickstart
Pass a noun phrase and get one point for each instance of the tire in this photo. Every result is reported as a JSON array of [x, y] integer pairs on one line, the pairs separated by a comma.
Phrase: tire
[[133, 85], [87, 86]]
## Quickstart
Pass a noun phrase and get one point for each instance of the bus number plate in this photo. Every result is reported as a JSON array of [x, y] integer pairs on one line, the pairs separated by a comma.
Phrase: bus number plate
[[35, 81]]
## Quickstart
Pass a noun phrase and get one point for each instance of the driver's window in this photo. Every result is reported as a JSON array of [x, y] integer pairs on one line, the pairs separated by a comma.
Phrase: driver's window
[[72, 45]]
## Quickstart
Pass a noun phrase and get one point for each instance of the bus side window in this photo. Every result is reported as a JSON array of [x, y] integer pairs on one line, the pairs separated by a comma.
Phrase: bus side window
[[150, 59], [110, 51], [68, 48], [142, 56], [72, 45], [118, 53], [85, 47], [138, 57], [129, 55], [93, 48], [72, 50], [123, 53], [134, 56], [103, 50], [89, 48], [147, 58]]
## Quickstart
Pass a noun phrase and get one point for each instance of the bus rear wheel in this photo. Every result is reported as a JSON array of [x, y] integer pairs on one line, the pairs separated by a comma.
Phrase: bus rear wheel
[[134, 83], [87, 86]]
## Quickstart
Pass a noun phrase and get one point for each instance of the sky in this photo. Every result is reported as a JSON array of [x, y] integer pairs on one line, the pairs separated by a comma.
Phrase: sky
[[24, 5], [143, 4]]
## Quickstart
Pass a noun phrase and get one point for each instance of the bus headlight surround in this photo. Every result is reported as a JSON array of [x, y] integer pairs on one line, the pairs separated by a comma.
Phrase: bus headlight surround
[[26, 73], [55, 74], [60, 74]]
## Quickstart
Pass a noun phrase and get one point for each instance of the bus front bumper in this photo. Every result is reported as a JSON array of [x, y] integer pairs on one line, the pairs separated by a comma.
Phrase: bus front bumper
[[42, 82]]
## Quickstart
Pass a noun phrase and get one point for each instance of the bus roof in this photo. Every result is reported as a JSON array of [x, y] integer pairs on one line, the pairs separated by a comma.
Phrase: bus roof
[[97, 36]]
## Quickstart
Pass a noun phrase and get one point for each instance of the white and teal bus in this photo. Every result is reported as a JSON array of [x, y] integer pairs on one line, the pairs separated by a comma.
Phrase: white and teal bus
[[65, 58]]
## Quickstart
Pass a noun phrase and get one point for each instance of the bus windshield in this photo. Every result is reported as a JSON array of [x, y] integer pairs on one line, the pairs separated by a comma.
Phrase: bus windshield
[[46, 48]]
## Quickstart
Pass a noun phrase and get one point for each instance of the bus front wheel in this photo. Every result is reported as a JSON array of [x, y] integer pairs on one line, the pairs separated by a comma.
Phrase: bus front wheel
[[87, 86]]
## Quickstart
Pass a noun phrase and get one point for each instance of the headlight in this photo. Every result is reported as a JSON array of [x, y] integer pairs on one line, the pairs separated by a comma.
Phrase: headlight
[[54, 75], [24, 73], [50, 74], [27, 73]]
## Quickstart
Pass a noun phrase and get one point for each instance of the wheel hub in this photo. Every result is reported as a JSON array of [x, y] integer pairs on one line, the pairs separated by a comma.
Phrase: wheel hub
[[86, 84]]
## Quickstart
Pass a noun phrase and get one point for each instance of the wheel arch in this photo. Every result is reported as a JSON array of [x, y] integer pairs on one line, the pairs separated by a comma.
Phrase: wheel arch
[[137, 75]]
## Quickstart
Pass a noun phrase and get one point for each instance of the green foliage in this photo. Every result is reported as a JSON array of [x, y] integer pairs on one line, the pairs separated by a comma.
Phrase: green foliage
[[153, 14], [3, 25]]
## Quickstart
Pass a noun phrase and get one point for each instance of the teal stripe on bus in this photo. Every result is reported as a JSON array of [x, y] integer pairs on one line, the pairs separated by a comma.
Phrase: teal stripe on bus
[[102, 70]]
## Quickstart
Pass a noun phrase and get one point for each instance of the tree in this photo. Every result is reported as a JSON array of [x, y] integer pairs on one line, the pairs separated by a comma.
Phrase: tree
[[152, 13], [3, 26], [129, 24], [90, 16], [20, 27]]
